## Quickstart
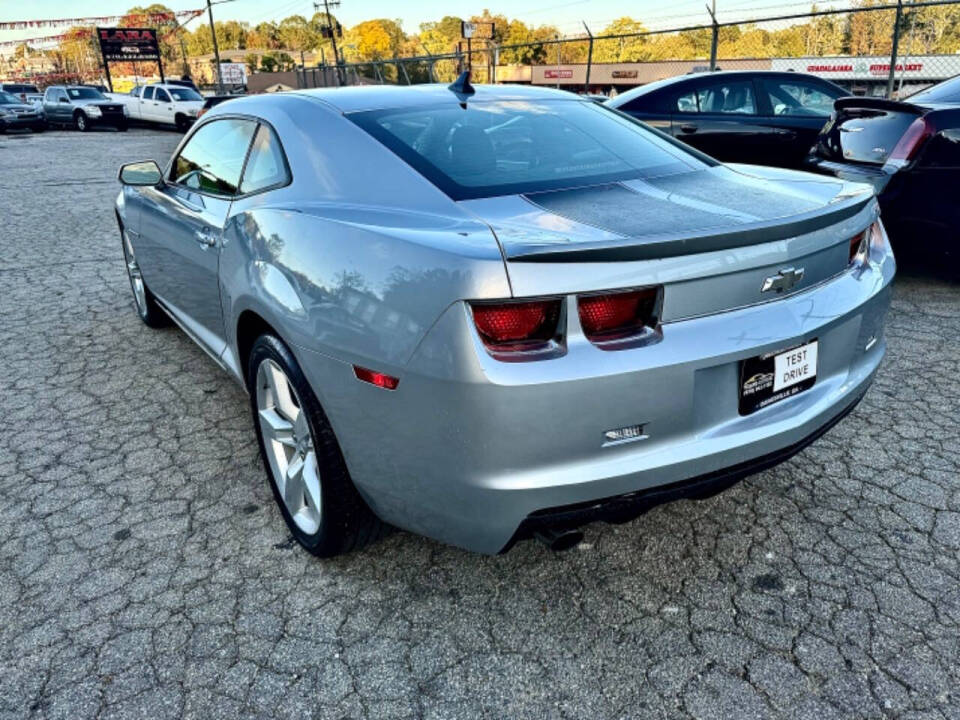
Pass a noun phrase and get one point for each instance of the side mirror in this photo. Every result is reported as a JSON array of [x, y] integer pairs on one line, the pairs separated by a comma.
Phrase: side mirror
[[143, 173], [65, 100]]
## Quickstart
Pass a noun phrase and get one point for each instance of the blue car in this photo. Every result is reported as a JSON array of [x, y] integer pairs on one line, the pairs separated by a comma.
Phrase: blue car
[[484, 314]]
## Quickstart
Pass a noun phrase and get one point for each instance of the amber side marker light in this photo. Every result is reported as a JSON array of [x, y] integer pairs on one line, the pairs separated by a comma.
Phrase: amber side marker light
[[381, 380]]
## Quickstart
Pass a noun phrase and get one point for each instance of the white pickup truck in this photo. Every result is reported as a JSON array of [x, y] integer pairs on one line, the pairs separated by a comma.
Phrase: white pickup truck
[[162, 103]]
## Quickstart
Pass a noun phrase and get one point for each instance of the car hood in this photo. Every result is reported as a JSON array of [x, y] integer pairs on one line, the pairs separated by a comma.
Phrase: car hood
[[681, 214]]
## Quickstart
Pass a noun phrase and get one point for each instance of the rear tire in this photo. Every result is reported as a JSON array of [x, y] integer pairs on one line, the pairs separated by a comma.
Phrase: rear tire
[[122, 127], [322, 509], [143, 300]]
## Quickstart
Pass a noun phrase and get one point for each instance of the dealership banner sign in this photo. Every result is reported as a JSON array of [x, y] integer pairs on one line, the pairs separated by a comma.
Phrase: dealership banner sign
[[913, 67], [126, 44]]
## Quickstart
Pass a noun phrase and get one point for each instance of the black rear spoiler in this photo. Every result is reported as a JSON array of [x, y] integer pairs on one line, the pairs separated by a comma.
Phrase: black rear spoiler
[[666, 246], [877, 104]]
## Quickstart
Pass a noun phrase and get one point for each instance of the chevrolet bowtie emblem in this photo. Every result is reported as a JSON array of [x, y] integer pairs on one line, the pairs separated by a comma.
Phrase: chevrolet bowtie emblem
[[783, 280]]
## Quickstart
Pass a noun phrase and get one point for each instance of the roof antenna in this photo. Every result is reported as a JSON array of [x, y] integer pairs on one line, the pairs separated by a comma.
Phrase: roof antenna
[[462, 88]]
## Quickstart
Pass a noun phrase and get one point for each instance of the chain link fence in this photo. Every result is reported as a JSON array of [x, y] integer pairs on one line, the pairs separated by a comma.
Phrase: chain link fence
[[887, 50]]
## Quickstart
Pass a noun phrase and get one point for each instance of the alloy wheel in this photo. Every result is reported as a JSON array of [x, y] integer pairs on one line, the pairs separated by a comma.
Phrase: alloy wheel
[[288, 443]]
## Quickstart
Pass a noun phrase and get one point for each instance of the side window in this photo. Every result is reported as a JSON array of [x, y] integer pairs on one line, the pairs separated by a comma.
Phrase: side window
[[162, 95], [212, 159], [148, 93], [798, 98], [267, 165], [733, 98], [687, 103]]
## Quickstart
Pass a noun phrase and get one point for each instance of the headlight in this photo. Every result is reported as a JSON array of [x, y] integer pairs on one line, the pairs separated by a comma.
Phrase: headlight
[[92, 111], [4, 111], [126, 111]]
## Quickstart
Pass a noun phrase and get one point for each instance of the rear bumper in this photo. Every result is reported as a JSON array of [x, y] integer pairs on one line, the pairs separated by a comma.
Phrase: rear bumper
[[473, 451], [624, 508]]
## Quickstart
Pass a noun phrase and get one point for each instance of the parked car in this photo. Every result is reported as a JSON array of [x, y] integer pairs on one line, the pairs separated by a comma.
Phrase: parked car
[[910, 152], [763, 117], [162, 103], [484, 314], [15, 114], [82, 108], [212, 101], [28, 93]]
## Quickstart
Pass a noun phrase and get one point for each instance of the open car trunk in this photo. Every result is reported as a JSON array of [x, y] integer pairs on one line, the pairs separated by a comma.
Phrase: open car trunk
[[865, 130], [711, 237]]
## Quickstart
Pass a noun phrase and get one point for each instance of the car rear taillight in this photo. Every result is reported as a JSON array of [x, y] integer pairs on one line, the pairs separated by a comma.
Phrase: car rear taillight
[[616, 317], [910, 143], [518, 328]]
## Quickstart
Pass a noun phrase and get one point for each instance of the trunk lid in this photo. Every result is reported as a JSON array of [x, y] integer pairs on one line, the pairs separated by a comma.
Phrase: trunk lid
[[711, 237], [865, 130]]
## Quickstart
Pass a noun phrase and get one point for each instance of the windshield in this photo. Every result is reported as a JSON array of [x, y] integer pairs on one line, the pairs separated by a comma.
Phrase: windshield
[[184, 94], [82, 93], [946, 92], [507, 147], [8, 99], [32, 89]]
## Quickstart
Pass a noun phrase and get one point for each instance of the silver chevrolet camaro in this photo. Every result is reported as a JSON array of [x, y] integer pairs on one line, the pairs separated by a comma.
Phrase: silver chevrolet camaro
[[495, 313]]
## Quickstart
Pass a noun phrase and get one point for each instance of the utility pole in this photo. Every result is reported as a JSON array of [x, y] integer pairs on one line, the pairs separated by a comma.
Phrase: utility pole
[[216, 49], [333, 36], [894, 49], [586, 82], [712, 9]]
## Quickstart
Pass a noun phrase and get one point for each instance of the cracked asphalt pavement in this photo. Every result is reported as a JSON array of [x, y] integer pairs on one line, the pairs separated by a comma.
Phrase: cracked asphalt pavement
[[146, 573]]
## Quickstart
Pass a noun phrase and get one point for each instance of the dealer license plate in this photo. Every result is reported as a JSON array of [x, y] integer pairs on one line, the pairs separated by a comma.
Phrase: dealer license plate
[[773, 377]]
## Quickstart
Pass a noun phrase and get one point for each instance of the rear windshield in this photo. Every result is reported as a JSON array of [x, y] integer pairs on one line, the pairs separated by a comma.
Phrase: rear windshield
[[507, 147], [946, 92], [82, 93]]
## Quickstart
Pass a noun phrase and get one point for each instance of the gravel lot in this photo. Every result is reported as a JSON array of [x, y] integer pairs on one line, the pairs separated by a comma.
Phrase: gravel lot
[[145, 572]]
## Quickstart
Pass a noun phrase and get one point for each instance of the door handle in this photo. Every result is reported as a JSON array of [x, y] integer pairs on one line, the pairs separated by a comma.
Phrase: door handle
[[688, 128], [205, 238]]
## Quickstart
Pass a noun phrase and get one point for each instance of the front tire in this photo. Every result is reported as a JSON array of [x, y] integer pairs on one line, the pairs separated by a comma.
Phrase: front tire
[[304, 464], [182, 123], [146, 304], [81, 122]]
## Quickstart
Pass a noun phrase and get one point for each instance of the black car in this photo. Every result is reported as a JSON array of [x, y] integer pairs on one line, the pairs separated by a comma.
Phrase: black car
[[910, 152], [761, 117], [15, 115], [211, 101]]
